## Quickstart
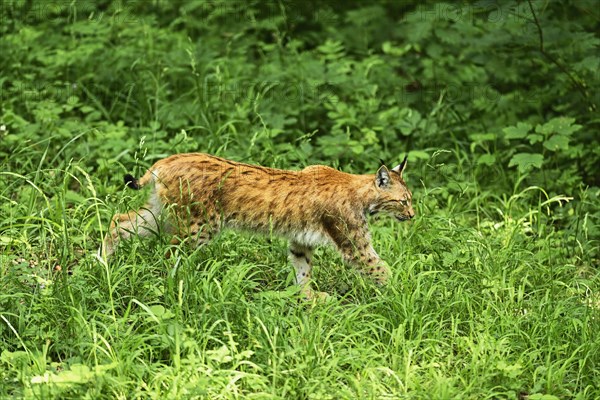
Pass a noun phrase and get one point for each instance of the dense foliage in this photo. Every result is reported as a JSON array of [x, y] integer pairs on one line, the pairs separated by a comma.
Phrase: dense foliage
[[496, 287]]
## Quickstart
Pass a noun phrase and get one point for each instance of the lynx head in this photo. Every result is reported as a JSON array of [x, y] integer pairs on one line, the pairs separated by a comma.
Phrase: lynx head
[[393, 198]]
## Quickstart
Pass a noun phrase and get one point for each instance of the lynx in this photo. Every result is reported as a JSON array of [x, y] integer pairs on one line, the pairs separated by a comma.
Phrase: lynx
[[199, 194]]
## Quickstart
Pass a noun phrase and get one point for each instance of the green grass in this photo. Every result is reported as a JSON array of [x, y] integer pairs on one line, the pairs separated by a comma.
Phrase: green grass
[[498, 310]]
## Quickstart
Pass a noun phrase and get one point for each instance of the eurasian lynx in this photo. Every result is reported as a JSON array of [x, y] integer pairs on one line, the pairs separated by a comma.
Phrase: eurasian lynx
[[201, 193]]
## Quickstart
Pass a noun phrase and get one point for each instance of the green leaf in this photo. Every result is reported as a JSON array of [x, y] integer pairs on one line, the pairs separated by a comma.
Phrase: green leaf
[[220, 355], [517, 132], [540, 396], [356, 147], [161, 312], [512, 371], [409, 122], [74, 197], [14, 357], [486, 159], [389, 48], [4, 240], [591, 63], [154, 125], [557, 142], [414, 155], [561, 125], [331, 49], [77, 374], [526, 161], [535, 138], [369, 136], [482, 137]]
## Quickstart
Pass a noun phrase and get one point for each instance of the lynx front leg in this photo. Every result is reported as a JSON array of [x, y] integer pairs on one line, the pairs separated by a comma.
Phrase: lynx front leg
[[373, 266], [301, 257], [354, 243], [361, 255]]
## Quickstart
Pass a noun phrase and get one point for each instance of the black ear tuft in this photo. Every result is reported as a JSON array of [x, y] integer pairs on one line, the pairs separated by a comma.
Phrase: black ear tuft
[[381, 161], [400, 168], [403, 163], [131, 182]]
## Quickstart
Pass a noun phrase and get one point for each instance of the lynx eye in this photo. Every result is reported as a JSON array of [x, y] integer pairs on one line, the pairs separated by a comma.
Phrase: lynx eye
[[404, 202]]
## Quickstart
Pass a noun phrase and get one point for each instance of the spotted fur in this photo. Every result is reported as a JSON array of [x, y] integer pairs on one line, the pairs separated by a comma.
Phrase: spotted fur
[[317, 205]]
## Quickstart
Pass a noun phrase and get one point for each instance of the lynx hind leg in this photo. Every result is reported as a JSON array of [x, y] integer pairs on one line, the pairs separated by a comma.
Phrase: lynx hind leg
[[141, 223], [199, 234], [195, 225], [301, 258]]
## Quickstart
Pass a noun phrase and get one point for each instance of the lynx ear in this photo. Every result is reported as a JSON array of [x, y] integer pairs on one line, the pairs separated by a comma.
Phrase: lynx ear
[[400, 168], [383, 177]]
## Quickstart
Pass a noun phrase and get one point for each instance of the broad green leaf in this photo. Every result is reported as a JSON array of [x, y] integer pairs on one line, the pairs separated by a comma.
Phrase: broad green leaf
[[517, 132], [14, 357], [535, 138], [356, 147], [418, 155], [76, 374], [220, 355], [154, 125], [9, 240], [526, 161], [540, 396], [390, 115], [409, 122], [486, 159], [557, 142], [510, 370], [161, 312], [561, 125], [157, 310]]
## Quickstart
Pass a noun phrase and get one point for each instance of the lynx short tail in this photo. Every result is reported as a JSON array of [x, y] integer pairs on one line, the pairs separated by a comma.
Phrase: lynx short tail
[[131, 182]]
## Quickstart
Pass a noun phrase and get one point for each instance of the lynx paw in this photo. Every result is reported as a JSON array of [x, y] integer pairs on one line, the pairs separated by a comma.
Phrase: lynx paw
[[314, 295], [380, 273]]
